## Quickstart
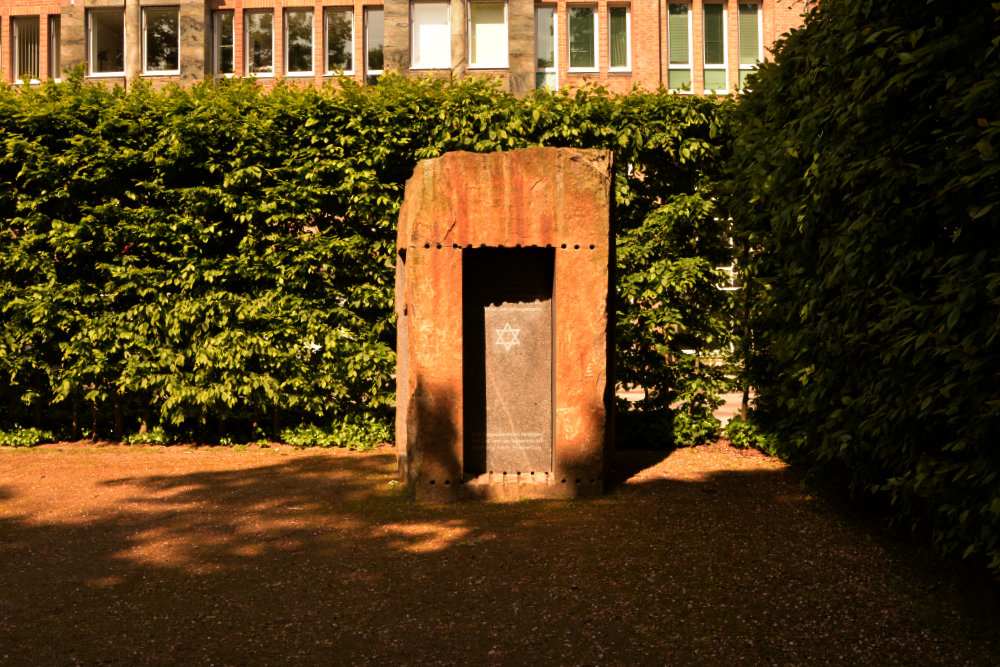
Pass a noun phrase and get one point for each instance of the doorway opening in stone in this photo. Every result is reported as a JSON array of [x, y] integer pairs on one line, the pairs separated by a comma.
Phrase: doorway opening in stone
[[508, 355]]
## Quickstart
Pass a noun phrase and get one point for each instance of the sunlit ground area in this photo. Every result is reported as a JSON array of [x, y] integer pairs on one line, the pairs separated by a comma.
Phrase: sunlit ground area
[[117, 555]]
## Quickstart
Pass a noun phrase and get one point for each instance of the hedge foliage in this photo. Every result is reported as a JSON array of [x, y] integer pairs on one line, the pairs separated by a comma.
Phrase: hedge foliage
[[217, 262], [867, 194]]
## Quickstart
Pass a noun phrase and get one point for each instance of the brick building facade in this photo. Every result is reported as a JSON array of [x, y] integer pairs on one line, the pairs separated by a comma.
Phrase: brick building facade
[[698, 45]]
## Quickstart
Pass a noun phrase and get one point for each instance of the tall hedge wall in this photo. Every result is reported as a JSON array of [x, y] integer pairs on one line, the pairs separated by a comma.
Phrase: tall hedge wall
[[867, 197], [217, 261]]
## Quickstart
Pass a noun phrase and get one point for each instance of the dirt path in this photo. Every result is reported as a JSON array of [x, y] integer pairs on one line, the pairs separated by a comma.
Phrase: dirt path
[[151, 555]]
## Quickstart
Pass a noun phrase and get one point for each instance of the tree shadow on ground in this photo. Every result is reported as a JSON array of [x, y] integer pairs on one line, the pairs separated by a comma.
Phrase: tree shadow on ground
[[319, 559]]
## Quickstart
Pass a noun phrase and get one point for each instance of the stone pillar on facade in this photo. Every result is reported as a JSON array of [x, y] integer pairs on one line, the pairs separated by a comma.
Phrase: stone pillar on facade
[[397, 35], [521, 39], [73, 43], [133, 40], [459, 38], [196, 34]]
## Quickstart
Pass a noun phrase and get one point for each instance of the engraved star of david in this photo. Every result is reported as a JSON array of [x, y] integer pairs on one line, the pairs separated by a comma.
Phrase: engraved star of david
[[507, 337]]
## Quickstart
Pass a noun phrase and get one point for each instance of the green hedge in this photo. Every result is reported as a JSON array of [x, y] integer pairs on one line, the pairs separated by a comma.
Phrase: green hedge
[[867, 195], [217, 262]]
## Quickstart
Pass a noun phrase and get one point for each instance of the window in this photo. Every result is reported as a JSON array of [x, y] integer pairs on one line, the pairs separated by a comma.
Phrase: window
[[25, 48], [225, 44], [259, 42], [750, 39], [431, 35], [620, 38], [545, 48], [107, 41], [339, 40], [715, 48], [487, 34], [55, 46], [374, 44], [299, 41], [679, 46], [161, 40], [582, 38]]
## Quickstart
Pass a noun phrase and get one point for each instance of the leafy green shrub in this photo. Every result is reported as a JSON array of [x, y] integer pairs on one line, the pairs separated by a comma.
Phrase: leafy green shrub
[[224, 255], [154, 436], [866, 190], [746, 434], [24, 437], [361, 436]]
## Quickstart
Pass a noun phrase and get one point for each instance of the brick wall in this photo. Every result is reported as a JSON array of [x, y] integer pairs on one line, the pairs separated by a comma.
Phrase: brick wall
[[648, 36]]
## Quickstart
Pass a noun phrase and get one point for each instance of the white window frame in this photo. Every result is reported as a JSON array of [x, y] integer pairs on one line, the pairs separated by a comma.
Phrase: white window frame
[[14, 46], [160, 72], [246, 43], [689, 65], [312, 39], [55, 47], [413, 36], [628, 37], [724, 67], [555, 44], [597, 39], [760, 38], [90, 41], [216, 34], [327, 11], [499, 63]]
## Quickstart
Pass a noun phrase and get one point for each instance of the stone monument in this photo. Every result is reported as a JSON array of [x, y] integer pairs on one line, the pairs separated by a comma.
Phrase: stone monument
[[505, 349]]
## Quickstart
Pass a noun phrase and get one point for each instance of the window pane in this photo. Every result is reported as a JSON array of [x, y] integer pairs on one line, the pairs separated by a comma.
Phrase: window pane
[[431, 35], [259, 27], [545, 80], [581, 37], [618, 22], [715, 79], [680, 47], [161, 39], [55, 46], [749, 35], [679, 79], [545, 37], [26, 48], [744, 73], [374, 39], [714, 51], [299, 40], [488, 34], [339, 40], [224, 43], [107, 41]]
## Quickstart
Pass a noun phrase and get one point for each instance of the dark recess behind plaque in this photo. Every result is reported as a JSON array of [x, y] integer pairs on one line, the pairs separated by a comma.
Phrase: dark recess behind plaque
[[508, 392]]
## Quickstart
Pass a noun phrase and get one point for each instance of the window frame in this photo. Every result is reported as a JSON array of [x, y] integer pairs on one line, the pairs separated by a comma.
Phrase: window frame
[[628, 37], [91, 13], [555, 44], [689, 65], [716, 67], [372, 74], [246, 43], [569, 39], [741, 68], [327, 12], [144, 42], [413, 36], [312, 40], [503, 63], [216, 34], [15, 44]]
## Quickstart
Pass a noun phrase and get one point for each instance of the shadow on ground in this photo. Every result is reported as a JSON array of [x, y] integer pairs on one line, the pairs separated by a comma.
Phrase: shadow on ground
[[318, 559]]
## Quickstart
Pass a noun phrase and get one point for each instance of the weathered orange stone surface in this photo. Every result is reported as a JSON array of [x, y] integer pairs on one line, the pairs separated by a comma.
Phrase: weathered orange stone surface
[[537, 197]]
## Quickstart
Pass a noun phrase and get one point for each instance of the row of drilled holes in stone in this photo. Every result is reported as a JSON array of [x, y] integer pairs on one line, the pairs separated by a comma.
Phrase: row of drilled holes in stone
[[563, 481], [439, 246]]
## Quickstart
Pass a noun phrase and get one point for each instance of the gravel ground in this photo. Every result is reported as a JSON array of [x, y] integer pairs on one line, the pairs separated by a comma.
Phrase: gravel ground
[[149, 555]]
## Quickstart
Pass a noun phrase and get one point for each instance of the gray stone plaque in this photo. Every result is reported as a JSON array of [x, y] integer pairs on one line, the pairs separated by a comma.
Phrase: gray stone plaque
[[508, 317]]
